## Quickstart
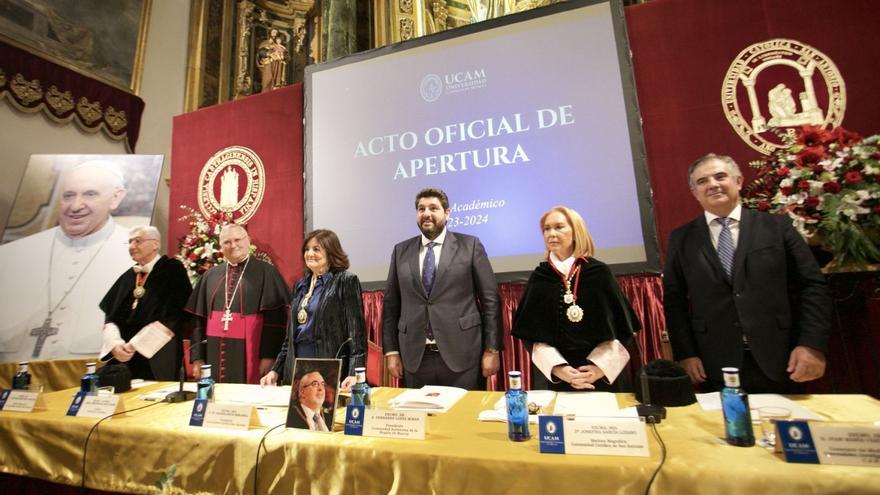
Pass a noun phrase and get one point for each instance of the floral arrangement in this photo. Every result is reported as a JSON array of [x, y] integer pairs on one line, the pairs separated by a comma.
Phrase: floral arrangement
[[828, 182], [199, 250]]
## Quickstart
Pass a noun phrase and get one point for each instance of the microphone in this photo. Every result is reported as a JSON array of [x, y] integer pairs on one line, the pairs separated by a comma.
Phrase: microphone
[[652, 414], [182, 395], [341, 346]]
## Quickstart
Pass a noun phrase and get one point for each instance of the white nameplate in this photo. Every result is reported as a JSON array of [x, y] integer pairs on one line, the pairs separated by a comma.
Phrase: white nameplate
[[233, 416], [386, 423], [24, 401], [606, 436], [846, 444], [99, 406]]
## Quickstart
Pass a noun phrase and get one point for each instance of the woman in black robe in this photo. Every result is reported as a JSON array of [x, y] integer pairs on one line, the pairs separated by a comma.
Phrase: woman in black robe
[[573, 314], [326, 312]]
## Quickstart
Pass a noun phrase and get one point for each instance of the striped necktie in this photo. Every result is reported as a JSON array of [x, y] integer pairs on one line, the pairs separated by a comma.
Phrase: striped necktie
[[725, 246]]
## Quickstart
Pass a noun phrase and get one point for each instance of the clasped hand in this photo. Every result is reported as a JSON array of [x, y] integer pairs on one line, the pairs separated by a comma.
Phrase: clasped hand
[[123, 352], [580, 378]]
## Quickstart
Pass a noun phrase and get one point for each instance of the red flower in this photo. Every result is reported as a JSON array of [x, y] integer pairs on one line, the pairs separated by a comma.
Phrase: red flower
[[811, 202], [845, 137], [818, 169], [764, 205], [804, 185], [876, 210], [831, 187], [816, 216], [782, 171], [814, 135], [852, 177], [811, 156], [786, 191]]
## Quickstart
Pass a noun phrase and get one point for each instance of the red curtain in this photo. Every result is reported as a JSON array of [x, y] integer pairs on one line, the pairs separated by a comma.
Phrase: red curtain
[[643, 291], [270, 124], [32, 84]]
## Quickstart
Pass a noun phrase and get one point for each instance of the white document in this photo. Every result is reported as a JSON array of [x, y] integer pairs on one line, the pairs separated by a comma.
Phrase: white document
[[591, 404], [712, 402], [255, 395], [151, 338], [432, 398], [541, 398]]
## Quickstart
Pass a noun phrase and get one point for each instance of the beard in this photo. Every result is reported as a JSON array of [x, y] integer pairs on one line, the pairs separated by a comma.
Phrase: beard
[[434, 230]]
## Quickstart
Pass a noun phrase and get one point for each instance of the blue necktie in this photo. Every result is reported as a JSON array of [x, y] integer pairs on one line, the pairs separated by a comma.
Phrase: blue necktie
[[428, 270], [725, 246]]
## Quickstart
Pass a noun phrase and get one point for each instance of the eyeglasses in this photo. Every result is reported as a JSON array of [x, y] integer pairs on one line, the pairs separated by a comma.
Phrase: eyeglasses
[[313, 384], [137, 241]]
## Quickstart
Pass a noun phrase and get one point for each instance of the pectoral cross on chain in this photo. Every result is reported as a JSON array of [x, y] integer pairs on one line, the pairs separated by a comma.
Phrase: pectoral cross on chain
[[42, 333], [227, 317]]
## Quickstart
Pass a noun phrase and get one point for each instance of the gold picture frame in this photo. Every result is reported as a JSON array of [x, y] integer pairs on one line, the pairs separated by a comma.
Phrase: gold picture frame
[[101, 40]]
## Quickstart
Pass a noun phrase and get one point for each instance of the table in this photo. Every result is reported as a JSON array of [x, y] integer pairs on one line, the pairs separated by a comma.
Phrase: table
[[460, 455]]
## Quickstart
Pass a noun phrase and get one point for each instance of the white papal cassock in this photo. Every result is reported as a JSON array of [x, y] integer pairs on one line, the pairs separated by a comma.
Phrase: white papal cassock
[[80, 271]]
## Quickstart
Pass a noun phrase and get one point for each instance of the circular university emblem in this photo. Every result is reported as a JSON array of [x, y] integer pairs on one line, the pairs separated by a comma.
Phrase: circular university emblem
[[781, 83], [551, 427], [233, 180], [795, 433], [431, 87], [355, 413]]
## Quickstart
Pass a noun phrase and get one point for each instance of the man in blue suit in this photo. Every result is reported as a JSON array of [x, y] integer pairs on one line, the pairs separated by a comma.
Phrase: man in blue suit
[[434, 330], [741, 288]]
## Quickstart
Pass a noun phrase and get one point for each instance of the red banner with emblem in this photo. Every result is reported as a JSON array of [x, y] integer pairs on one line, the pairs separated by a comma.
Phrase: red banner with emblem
[[245, 157], [714, 75]]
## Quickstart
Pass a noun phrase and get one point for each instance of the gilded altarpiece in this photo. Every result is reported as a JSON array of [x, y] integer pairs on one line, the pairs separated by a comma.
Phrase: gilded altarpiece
[[401, 20], [245, 47]]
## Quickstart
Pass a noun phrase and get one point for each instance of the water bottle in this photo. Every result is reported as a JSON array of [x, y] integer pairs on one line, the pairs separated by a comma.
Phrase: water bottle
[[737, 415], [206, 384], [517, 408], [360, 391], [89, 381], [22, 379]]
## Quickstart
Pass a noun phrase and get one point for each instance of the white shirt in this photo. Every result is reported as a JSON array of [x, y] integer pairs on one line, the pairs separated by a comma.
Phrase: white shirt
[[733, 225], [148, 268], [310, 415]]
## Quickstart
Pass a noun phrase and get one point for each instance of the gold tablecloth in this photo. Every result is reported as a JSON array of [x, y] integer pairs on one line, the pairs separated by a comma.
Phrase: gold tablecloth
[[54, 374], [460, 455]]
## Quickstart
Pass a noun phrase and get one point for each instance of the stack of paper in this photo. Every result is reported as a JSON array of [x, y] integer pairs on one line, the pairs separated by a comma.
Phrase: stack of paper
[[431, 398], [712, 402], [591, 404]]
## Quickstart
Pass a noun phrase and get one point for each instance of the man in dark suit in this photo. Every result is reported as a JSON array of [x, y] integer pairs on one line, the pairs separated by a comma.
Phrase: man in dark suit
[[434, 331], [741, 288]]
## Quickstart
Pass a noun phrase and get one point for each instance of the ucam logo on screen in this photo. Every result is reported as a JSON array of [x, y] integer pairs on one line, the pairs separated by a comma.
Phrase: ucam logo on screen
[[433, 86]]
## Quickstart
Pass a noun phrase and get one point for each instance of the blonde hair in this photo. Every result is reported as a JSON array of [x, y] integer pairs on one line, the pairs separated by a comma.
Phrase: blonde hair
[[582, 240]]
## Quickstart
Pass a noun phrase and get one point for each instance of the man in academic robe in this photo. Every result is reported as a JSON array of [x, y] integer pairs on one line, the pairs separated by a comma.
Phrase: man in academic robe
[[147, 298], [742, 289], [53, 281], [240, 310], [433, 330]]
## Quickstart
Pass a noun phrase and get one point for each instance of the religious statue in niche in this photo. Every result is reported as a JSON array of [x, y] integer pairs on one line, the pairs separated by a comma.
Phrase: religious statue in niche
[[272, 60], [783, 109]]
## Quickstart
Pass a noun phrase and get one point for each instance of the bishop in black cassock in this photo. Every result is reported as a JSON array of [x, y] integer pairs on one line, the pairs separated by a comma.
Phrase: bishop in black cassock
[[240, 310], [152, 292]]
